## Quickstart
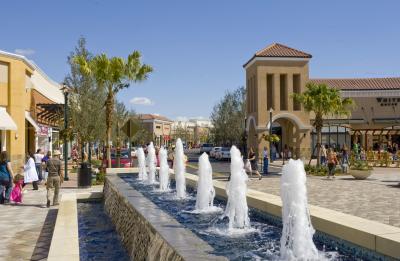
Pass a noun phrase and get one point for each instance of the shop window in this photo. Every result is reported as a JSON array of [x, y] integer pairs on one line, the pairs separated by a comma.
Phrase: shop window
[[28, 82], [3, 73]]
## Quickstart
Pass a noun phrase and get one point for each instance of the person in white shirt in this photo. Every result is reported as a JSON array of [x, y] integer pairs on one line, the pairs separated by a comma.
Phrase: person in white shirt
[[38, 156], [30, 174]]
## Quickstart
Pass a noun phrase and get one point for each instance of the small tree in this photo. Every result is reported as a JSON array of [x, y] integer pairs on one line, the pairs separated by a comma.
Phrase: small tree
[[86, 100], [323, 101], [113, 74], [228, 118]]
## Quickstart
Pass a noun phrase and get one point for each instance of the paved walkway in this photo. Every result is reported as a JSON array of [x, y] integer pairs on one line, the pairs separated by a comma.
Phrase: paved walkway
[[26, 230], [377, 198]]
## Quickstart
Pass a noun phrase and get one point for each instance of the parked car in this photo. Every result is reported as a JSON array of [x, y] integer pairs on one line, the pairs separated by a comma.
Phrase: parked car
[[206, 147], [124, 160], [214, 151], [224, 154]]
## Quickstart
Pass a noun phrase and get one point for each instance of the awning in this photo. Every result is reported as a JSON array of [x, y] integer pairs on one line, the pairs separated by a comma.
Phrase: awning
[[29, 118], [6, 122]]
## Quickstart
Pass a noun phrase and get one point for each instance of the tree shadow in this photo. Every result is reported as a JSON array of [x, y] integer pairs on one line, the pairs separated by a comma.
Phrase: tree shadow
[[43, 243], [394, 186]]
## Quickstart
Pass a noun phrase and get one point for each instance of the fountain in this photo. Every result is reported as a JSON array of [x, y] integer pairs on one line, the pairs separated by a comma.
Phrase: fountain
[[205, 188], [236, 207], [151, 163], [142, 164], [179, 170], [297, 235], [164, 170]]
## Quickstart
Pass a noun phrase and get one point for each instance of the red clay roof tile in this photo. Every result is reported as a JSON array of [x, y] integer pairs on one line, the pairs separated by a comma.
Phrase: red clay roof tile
[[390, 83]]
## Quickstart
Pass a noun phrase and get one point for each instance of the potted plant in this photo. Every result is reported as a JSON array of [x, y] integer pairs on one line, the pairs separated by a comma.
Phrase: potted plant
[[360, 169]]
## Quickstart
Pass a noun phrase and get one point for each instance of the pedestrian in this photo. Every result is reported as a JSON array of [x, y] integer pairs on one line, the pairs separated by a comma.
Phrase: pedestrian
[[6, 176], [74, 155], [44, 161], [30, 174], [273, 152], [332, 162], [290, 152], [265, 160], [53, 167], [285, 152], [171, 156], [16, 193], [323, 155], [38, 156], [253, 161], [345, 161]]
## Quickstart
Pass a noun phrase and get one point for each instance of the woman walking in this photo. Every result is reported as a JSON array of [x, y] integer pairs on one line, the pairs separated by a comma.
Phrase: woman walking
[[332, 162], [30, 174], [6, 176], [253, 162]]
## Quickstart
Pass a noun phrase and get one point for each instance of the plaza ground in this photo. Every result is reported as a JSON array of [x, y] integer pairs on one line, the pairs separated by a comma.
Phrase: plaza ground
[[27, 229]]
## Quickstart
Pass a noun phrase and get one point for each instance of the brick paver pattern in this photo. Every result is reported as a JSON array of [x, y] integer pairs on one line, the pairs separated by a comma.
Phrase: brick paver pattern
[[27, 229], [377, 198]]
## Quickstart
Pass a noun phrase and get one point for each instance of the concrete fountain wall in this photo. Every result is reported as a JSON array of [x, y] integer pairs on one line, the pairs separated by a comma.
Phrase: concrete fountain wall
[[147, 232]]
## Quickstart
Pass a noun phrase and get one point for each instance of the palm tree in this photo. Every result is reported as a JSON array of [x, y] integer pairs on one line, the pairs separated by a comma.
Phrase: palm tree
[[323, 101], [113, 74]]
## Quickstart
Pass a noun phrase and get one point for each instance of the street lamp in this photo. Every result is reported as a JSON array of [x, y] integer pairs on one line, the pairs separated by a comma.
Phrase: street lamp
[[65, 89], [270, 133]]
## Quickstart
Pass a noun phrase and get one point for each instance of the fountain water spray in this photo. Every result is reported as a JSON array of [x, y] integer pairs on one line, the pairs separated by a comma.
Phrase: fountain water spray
[[179, 170], [164, 170], [236, 207], [297, 235], [142, 164], [151, 163], [205, 189]]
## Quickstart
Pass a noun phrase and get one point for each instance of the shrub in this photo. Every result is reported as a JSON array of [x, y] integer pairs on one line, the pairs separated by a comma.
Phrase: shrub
[[360, 165], [100, 177]]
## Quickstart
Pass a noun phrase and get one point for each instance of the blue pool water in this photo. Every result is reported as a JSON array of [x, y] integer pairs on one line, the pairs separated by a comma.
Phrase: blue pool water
[[98, 239], [262, 242]]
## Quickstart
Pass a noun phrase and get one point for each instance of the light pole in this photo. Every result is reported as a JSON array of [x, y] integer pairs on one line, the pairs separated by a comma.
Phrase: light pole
[[270, 133], [65, 90]]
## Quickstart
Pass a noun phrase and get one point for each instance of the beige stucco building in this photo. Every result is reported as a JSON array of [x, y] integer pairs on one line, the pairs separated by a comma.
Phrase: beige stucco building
[[277, 71], [25, 123], [159, 126]]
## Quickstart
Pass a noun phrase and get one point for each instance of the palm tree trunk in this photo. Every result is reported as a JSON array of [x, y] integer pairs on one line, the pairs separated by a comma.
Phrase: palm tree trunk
[[318, 128], [109, 111]]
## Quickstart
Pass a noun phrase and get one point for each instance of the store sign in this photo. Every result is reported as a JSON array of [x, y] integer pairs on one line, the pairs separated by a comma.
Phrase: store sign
[[44, 131], [388, 101]]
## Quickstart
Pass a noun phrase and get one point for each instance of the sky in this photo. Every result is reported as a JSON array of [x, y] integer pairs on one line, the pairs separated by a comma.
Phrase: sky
[[198, 48]]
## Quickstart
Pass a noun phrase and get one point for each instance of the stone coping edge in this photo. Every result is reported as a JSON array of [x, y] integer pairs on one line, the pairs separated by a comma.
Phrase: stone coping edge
[[65, 240], [372, 235]]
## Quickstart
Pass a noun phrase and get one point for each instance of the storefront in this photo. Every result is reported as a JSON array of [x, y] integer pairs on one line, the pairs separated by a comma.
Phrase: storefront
[[23, 87]]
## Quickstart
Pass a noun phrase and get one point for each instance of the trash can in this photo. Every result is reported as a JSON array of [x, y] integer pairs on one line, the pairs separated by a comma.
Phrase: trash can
[[85, 175]]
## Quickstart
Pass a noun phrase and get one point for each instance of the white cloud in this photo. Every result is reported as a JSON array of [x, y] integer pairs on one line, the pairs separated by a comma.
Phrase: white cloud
[[25, 52], [141, 101]]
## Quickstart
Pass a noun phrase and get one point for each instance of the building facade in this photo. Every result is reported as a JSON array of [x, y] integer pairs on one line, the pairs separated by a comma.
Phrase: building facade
[[193, 132], [158, 126], [26, 92], [274, 73]]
